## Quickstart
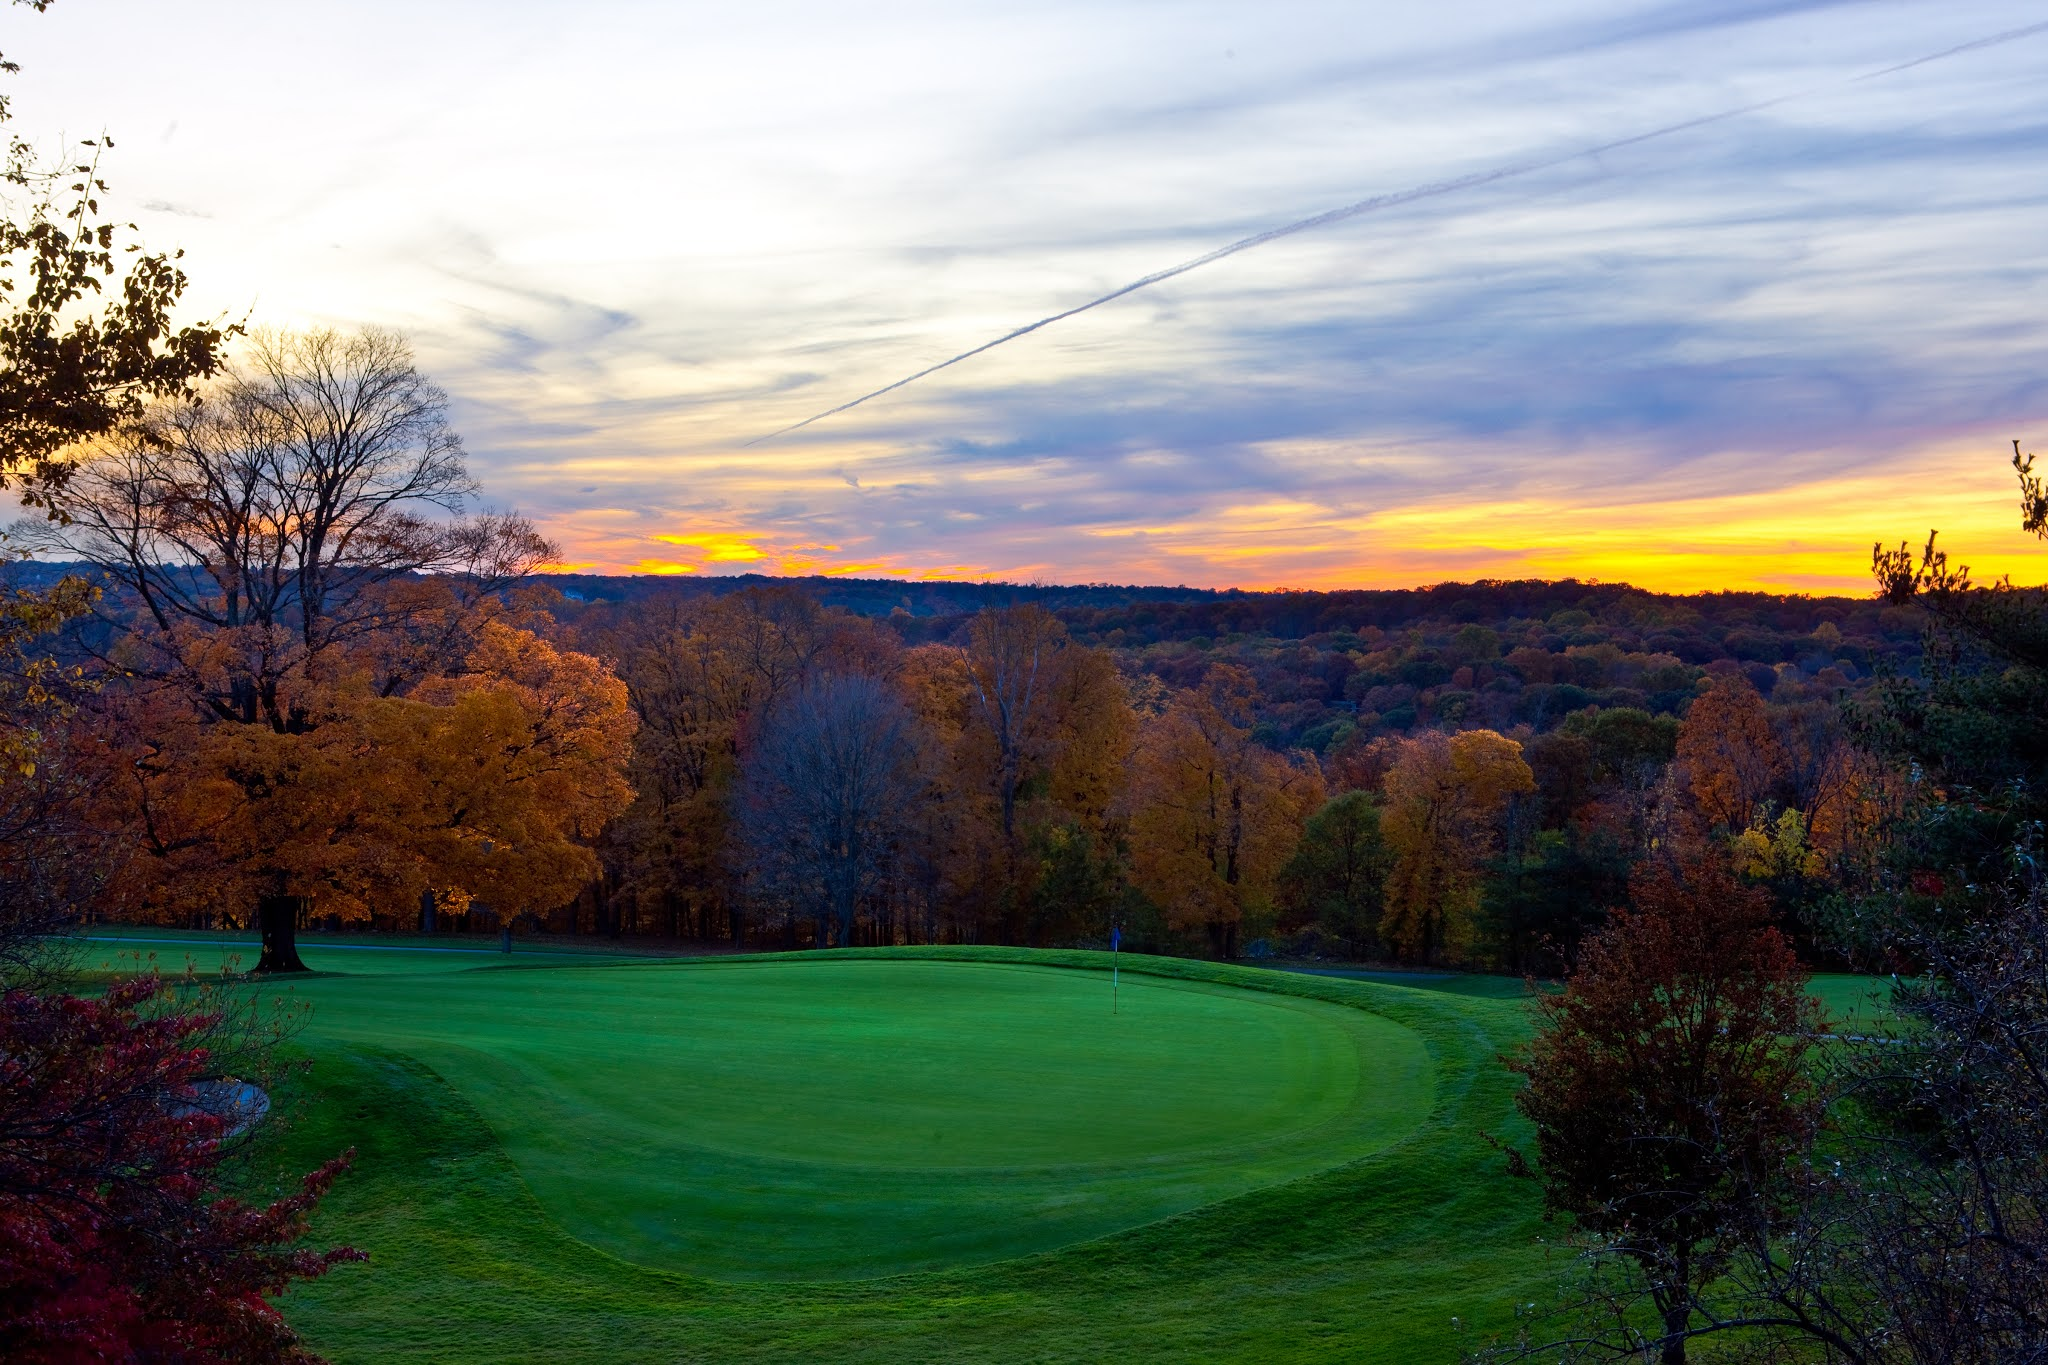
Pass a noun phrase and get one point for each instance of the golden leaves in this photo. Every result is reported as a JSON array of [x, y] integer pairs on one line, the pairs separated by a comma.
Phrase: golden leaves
[[483, 786], [1729, 755], [1214, 815], [1443, 793]]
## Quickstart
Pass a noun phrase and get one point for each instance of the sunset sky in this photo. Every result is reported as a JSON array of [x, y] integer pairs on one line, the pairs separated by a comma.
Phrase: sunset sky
[[629, 238]]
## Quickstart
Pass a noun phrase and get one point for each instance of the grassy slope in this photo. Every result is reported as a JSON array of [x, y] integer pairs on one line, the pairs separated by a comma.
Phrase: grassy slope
[[1847, 999], [1369, 1261], [117, 947]]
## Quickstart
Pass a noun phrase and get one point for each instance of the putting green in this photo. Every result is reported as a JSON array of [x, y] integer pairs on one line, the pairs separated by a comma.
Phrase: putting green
[[817, 1119]]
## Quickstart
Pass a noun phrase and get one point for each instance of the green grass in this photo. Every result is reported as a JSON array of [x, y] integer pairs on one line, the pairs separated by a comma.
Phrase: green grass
[[1852, 1001], [1848, 1000], [1479, 985], [633, 1163], [1369, 1258], [115, 947], [807, 1120]]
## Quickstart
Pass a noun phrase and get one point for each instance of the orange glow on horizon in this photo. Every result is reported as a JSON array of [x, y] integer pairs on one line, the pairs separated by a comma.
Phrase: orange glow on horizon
[[717, 547], [1813, 538]]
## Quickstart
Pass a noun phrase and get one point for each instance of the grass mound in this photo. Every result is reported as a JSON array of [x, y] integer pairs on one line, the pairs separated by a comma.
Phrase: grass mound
[[829, 1119], [1288, 1243]]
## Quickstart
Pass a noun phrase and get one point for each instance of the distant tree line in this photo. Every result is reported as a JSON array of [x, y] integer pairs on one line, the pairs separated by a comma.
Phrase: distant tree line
[[1042, 788]]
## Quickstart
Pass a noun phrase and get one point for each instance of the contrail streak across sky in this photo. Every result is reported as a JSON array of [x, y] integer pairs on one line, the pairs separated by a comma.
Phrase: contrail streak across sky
[[1374, 204]]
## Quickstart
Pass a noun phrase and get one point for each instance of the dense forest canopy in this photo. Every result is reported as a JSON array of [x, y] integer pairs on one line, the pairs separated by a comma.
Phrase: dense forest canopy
[[1328, 663]]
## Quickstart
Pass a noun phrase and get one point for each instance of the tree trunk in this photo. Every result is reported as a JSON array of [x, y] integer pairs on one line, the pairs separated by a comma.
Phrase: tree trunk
[[842, 911], [1677, 1312], [1674, 1337], [277, 919], [426, 912]]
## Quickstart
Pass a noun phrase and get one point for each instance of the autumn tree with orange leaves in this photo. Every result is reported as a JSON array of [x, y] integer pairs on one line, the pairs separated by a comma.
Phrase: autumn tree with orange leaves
[[1031, 733], [1731, 759], [1214, 814], [485, 786], [1443, 794]]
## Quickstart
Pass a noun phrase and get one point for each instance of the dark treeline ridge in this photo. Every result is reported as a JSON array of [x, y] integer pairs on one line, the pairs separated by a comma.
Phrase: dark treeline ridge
[[1387, 660], [878, 596], [1108, 613], [1329, 663]]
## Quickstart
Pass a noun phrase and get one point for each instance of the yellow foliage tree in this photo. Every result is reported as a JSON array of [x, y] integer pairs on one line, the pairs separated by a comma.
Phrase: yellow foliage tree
[[1214, 815], [1775, 850], [1095, 727], [1032, 735], [486, 786], [1443, 795], [520, 762]]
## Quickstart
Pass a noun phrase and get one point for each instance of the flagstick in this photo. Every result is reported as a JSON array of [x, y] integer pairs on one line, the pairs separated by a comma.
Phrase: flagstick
[[1116, 943]]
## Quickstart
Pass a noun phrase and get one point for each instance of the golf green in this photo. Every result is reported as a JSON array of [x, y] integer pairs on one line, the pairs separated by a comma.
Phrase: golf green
[[818, 1119]]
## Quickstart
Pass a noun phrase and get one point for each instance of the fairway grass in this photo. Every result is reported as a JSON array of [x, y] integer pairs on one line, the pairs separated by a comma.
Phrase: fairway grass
[[121, 947], [1364, 1257]]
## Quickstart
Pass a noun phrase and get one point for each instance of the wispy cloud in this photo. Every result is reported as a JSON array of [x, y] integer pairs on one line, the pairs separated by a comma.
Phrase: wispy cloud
[[633, 242], [1387, 201]]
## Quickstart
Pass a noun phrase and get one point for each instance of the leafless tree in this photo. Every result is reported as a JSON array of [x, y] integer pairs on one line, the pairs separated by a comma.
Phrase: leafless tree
[[289, 514], [705, 677], [1008, 660], [828, 792]]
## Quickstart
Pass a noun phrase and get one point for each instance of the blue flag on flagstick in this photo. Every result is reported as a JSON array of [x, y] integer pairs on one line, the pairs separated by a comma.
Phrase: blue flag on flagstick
[[1116, 937]]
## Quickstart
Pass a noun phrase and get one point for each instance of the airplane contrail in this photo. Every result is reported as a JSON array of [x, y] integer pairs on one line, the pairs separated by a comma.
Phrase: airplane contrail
[[1433, 190]]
